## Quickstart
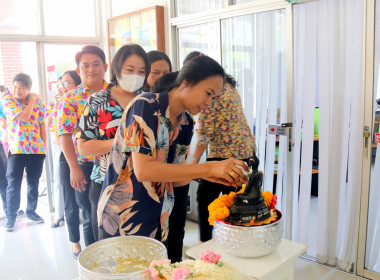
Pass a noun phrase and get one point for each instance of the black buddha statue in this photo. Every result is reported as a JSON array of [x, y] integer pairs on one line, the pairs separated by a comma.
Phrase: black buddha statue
[[250, 204]]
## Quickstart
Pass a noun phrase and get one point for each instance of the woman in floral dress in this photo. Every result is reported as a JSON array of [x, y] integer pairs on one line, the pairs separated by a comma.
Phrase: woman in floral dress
[[150, 147]]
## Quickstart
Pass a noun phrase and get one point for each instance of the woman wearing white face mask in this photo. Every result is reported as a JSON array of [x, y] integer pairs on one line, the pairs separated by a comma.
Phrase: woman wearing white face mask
[[101, 117]]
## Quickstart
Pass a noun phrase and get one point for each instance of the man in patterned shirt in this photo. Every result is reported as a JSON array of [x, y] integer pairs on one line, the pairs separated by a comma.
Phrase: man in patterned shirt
[[75, 170], [25, 113]]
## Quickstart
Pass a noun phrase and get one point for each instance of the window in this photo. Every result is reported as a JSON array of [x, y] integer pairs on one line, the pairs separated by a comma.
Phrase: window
[[69, 18], [186, 7], [253, 52], [58, 60], [17, 57], [202, 37], [19, 17], [34, 23]]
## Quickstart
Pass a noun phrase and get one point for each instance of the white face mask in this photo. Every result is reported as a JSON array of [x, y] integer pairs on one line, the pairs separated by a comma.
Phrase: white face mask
[[131, 82]]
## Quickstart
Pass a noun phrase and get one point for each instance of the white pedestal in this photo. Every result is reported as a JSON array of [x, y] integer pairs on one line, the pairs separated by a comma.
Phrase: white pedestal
[[278, 265]]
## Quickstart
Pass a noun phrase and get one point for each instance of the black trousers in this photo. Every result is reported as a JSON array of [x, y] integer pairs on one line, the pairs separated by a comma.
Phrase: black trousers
[[74, 199], [3, 177], [207, 192], [94, 198], [177, 221], [32, 163]]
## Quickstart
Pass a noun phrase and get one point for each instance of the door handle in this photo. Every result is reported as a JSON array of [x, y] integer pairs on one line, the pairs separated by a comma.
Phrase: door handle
[[289, 126], [366, 134]]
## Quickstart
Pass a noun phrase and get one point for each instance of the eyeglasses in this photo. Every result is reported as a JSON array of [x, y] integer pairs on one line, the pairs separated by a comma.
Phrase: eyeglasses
[[66, 84]]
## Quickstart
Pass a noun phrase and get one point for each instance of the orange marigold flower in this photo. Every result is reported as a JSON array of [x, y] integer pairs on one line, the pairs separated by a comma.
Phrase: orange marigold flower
[[219, 214], [242, 189], [227, 200], [231, 195], [267, 197], [220, 207]]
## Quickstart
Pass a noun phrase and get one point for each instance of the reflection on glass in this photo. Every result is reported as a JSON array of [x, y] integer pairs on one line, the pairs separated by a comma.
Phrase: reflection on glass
[[248, 43], [202, 37], [58, 60], [19, 17], [186, 7], [372, 258], [144, 28], [69, 18], [234, 2], [253, 52], [17, 57]]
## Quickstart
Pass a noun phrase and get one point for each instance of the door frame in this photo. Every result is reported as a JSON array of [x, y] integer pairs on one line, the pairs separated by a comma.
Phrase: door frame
[[368, 78]]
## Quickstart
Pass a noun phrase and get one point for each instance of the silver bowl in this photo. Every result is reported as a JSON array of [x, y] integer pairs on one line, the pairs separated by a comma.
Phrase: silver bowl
[[107, 251], [255, 241]]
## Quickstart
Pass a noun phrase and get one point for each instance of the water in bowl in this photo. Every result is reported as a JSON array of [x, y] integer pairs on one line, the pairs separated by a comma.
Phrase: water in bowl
[[120, 266]]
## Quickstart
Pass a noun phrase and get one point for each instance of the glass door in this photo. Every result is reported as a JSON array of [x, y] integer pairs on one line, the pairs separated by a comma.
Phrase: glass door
[[372, 252], [253, 52]]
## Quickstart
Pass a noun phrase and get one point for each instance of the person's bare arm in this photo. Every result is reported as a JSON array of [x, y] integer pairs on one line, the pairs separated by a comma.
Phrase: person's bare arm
[[226, 172], [24, 116], [198, 152], [77, 178], [94, 147]]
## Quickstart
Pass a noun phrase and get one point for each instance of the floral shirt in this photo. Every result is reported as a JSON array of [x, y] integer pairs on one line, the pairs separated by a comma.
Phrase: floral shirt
[[3, 121], [70, 110], [130, 207], [53, 110], [224, 127], [49, 108], [100, 120], [24, 137]]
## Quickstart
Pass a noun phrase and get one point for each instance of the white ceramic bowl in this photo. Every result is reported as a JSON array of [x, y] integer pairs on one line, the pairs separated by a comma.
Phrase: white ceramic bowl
[[255, 241], [109, 250]]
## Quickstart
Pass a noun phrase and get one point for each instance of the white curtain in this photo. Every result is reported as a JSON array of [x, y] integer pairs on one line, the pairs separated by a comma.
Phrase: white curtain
[[328, 62]]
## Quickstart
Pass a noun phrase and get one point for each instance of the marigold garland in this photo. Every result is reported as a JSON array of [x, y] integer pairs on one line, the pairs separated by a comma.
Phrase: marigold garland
[[219, 209]]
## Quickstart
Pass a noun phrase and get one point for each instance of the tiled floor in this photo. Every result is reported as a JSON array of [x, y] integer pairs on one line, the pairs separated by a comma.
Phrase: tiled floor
[[38, 252]]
